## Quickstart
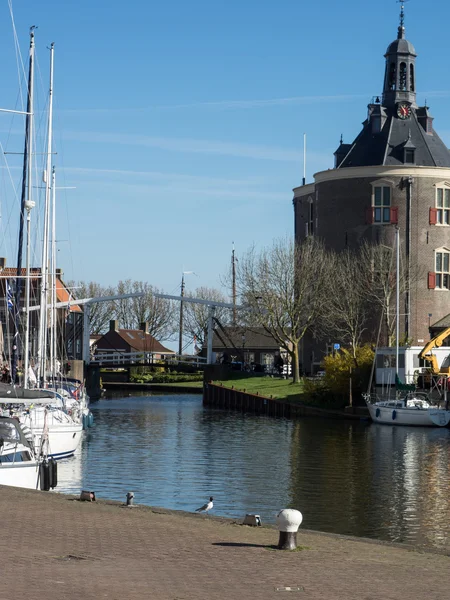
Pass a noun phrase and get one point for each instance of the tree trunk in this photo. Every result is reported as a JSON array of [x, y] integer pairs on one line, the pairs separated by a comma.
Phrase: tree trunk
[[295, 364]]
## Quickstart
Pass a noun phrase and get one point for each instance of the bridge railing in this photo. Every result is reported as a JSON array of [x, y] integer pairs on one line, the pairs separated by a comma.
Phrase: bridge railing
[[117, 358]]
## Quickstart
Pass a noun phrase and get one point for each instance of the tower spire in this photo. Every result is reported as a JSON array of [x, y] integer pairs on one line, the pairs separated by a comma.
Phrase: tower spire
[[401, 29]]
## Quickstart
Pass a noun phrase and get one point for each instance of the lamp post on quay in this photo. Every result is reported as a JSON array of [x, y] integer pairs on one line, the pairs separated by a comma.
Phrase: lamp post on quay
[[180, 339]]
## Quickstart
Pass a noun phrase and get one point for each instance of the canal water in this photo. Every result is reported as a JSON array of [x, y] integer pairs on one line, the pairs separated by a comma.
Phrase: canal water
[[354, 478]]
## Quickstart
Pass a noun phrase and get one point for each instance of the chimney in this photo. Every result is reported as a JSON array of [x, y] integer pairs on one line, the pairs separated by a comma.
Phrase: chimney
[[114, 325], [144, 327]]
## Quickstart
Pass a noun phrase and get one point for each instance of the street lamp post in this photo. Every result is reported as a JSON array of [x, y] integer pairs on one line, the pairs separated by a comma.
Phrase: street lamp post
[[180, 339]]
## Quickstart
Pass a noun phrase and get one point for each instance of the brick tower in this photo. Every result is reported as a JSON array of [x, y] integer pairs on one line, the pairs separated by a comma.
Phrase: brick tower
[[395, 173]]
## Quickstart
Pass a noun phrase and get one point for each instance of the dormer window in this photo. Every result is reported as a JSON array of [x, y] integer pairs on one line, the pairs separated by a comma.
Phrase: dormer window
[[410, 156]]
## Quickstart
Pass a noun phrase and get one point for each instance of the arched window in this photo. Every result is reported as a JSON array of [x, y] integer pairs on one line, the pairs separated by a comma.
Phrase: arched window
[[392, 76], [411, 78], [443, 203], [402, 80], [442, 261]]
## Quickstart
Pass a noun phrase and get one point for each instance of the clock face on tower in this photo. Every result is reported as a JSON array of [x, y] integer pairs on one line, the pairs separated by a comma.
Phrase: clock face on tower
[[403, 111]]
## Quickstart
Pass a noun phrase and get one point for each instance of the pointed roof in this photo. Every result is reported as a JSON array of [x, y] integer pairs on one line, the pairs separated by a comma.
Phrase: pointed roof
[[386, 147]]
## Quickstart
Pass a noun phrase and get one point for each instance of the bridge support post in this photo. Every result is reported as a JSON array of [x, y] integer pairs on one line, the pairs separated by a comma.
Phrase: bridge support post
[[86, 334], [212, 310]]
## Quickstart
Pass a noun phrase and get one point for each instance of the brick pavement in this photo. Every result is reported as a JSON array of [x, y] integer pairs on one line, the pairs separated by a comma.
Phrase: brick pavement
[[53, 546]]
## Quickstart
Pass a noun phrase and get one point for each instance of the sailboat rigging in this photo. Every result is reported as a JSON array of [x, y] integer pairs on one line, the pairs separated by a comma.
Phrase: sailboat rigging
[[25, 198]]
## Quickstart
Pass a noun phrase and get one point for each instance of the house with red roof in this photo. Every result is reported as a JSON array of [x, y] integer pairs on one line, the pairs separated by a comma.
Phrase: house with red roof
[[118, 342]]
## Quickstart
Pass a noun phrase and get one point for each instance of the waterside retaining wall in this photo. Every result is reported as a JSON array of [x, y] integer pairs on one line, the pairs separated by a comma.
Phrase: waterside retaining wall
[[219, 396]]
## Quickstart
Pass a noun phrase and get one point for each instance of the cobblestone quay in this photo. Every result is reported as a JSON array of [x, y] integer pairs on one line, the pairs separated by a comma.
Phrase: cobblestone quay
[[54, 546]]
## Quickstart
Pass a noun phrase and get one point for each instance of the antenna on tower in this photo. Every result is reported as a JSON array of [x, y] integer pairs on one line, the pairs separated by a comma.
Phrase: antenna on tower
[[304, 159]]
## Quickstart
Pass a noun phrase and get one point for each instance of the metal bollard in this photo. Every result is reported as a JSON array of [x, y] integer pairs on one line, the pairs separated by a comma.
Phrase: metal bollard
[[130, 498], [87, 496], [288, 521], [253, 520]]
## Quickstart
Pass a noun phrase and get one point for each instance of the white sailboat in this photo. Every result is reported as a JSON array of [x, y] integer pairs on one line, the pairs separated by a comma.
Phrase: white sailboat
[[407, 407], [42, 412], [20, 466]]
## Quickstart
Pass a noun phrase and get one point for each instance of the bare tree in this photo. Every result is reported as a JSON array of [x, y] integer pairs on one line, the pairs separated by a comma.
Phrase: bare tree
[[196, 315], [286, 287], [348, 314], [381, 281], [100, 312], [159, 313]]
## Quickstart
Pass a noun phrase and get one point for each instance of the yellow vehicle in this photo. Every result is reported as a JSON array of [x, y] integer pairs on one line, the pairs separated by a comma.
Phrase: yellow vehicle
[[427, 353]]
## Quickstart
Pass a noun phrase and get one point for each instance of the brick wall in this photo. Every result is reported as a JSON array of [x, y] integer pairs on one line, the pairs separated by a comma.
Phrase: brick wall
[[342, 221]]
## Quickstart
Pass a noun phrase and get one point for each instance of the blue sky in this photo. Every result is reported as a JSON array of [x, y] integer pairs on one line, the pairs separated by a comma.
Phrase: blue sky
[[181, 124]]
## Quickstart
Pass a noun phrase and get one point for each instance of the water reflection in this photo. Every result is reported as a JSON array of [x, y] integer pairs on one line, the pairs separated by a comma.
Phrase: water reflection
[[351, 478]]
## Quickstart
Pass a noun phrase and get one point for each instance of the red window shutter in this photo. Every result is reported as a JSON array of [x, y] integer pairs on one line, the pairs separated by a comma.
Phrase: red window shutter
[[394, 215], [369, 215], [433, 216], [431, 281]]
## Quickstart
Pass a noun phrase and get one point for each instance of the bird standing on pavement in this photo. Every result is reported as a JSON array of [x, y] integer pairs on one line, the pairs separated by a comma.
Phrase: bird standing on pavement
[[206, 507]]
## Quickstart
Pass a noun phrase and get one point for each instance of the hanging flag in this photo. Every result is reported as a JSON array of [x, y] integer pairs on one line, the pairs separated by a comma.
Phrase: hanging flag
[[9, 296]]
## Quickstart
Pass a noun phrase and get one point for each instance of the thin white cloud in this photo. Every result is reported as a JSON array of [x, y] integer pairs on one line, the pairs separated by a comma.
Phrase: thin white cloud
[[188, 145], [244, 104], [161, 176], [225, 104]]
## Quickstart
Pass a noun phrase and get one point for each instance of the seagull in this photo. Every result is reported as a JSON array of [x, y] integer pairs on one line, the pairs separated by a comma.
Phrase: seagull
[[206, 507]]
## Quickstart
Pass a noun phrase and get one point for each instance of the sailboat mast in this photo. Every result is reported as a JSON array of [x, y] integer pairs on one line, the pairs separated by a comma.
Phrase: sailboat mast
[[42, 344], [53, 313], [25, 197], [397, 297], [233, 275]]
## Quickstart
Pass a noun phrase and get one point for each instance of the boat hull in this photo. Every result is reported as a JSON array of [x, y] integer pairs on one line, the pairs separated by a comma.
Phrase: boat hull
[[23, 475], [64, 434], [416, 417], [62, 441]]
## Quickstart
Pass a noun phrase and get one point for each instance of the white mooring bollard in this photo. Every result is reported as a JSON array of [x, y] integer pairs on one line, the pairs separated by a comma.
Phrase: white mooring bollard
[[130, 498], [288, 521]]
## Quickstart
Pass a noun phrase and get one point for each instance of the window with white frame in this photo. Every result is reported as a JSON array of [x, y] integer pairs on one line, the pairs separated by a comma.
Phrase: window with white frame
[[443, 205], [443, 269], [381, 203]]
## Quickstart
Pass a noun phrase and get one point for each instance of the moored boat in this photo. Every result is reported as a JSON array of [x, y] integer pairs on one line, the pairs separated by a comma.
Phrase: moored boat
[[19, 466], [413, 409]]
